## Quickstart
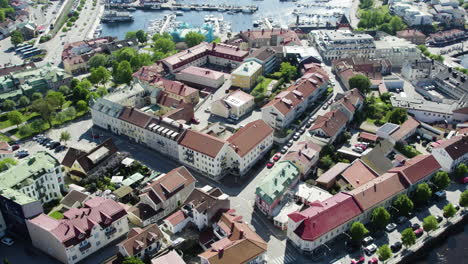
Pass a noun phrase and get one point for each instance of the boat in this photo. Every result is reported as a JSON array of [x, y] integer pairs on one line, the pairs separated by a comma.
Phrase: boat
[[131, 9], [207, 18], [231, 12], [112, 16], [186, 8], [256, 23], [179, 13]]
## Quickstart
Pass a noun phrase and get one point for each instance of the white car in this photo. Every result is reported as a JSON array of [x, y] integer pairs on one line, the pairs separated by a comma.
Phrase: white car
[[208, 110], [390, 227], [8, 241], [370, 249]]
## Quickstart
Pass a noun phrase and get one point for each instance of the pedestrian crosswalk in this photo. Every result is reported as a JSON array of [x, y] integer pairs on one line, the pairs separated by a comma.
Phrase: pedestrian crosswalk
[[287, 259]]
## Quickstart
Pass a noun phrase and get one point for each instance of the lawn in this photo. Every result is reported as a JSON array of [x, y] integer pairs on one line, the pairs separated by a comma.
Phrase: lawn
[[4, 138], [4, 122], [56, 214]]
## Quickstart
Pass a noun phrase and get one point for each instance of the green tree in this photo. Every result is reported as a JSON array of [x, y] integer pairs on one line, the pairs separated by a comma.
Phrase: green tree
[[37, 124], [408, 237], [326, 162], [56, 99], [422, 193], [70, 112], [396, 24], [384, 253], [15, 117], [81, 91], [125, 54], [25, 130], [159, 36], [101, 91], [358, 231], [4, 4], [99, 75], [65, 136], [461, 171], [449, 210], [81, 106], [361, 82], [123, 73], [16, 37], [380, 217], [64, 89], [288, 71], [98, 60], [130, 35], [464, 199], [6, 162], [61, 117], [430, 223], [194, 38], [398, 116], [24, 101], [441, 180], [45, 110], [364, 4], [36, 96], [403, 204], [8, 105], [164, 45], [132, 260], [141, 36]]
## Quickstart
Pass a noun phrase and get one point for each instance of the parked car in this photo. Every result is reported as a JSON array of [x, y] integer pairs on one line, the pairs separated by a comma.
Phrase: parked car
[[373, 260], [277, 156], [50, 143], [309, 124], [419, 232], [302, 130], [312, 119], [367, 240], [7, 241], [390, 227], [60, 148], [439, 218], [54, 145], [440, 194], [296, 136], [415, 226], [396, 247], [325, 106], [358, 150], [464, 180], [22, 154], [208, 110], [364, 147], [370, 249], [270, 165], [358, 260], [401, 219], [284, 150], [15, 147], [44, 141], [290, 143]]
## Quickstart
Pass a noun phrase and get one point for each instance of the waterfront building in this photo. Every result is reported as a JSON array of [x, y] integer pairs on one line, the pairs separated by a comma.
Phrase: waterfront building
[[396, 50], [413, 35], [234, 105], [246, 75], [274, 37], [81, 232], [201, 77], [452, 83], [419, 169], [447, 37]]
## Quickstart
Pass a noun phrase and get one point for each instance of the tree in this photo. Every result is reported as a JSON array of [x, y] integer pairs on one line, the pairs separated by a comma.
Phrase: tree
[[398, 116], [6, 162], [98, 60], [61, 117], [403, 204], [65, 136], [99, 75], [101, 91], [56, 99], [163, 35], [37, 124], [132, 260], [396, 24], [288, 71], [130, 35], [25, 130], [326, 162], [15, 117], [141, 36], [384, 252], [45, 110], [422, 193], [81, 91], [464, 199], [430, 223], [36, 96], [64, 89], [16, 37], [361, 82], [358, 231], [164, 45], [461, 170], [125, 54], [70, 112], [4, 4], [24, 101], [6, 261], [194, 38], [441, 180], [81, 106], [408, 237], [8, 105], [380, 217], [364, 4], [449, 210], [123, 73]]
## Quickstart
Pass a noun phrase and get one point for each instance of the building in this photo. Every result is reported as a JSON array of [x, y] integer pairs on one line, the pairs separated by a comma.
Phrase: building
[[411, 13], [176, 222], [249, 144], [80, 164], [288, 105], [6, 150], [171, 257], [268, 57], [273, 37], [219, 54], [246, 75], [349, 102], [452, 83], [304, 155], [141, 242], [448, 37], [412, 35], [162, 196], [419, 169], [205, 153], [451, 152], [356, 174], [398, 133], [7, 69], [74, 199], [339, 44], [39, 177], [234, 105], [81, 232], [327, 127], [372, 68], [396, 50], [237, 243], [270, 192], [328, 178], [201, 77]]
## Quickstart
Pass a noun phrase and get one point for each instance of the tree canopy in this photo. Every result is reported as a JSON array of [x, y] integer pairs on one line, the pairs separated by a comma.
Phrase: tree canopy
[[381, 19], [4, 163], [361, 82], [15, 118], [123, 73], [464, 199], [130, 35], [408, 237], [164, 45], [8, 105], [65, 136], [288, 71], [194, 38], [132, 260], [16, 37], [141, 36], [358, 231], [380, 217], [430, 223], [99, 60], [441, 180], [398, 116], [384, 252], [461, 170], [403, 204], [99, 75], [422, 193], [449, 210]]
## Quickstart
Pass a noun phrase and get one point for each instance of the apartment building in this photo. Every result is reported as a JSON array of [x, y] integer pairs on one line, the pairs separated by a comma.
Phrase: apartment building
[[141, 242], [327, 127], [201, 77], [396, 50], [268, 57], [452, 83], [412, 35], [339, 44], [451, 152], [246, 75], [234, 105], [274, 37], [81, 232], [304, 155]]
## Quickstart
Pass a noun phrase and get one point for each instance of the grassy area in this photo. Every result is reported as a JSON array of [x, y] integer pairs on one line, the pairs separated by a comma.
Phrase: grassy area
[[56, 214], [3, 137], [4, 122], [62, 18]]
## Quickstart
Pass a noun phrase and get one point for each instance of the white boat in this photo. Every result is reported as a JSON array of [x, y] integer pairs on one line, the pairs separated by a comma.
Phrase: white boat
[[179, 13], [131, 8], [207, 18]]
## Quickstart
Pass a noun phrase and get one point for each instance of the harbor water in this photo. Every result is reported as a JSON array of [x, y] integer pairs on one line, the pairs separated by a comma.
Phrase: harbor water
[[280, 11]]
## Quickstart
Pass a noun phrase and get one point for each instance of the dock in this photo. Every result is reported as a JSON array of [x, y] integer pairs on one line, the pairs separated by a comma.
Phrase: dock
[[166, 23], [185, 7]]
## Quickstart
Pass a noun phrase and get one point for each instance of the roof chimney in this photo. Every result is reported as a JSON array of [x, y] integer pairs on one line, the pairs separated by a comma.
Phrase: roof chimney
[[241, 233]]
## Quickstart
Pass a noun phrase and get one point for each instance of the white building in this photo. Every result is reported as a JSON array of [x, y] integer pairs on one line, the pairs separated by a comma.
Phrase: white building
[[141, 242], [339, 44], [5, 150], [396, 50], [81, 232], [451, 152], [234, 105]]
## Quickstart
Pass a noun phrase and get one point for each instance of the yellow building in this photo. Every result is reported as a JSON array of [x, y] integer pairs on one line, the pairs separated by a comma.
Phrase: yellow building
[[245, 76]]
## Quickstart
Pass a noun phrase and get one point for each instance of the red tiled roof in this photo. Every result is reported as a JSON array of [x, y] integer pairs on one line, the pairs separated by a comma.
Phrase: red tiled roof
[[176, 218], [331, 174], [202, 72], [248, 137], [149, 73], [407, 127], [330, 123], [368, 136], [135, 116], [139, 239], [202, 143], [456, 146], [325, 216], [174, 87], [287, 35], [418, 168], [358, 174]]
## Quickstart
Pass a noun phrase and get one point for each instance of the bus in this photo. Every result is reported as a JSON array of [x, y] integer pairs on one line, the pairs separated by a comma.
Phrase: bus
[[31, 53], [20, 49]]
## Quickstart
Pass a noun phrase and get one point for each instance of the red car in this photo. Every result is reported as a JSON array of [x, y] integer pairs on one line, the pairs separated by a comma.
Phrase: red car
[[364, 147], [269, 165], [419, 232], [15, 147], [373, 261], [277, 156], [359, 260], [464, 180], [195, 121]]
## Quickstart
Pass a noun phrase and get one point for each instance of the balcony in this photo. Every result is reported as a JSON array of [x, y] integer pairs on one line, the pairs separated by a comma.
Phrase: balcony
[[85, 247], [110, 231]]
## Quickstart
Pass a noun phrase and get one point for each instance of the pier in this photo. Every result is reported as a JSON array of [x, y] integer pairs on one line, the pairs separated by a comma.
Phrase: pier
[[166, 23], [193, 7]]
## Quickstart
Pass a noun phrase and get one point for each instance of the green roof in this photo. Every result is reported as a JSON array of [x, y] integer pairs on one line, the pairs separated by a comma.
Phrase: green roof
[[247, 68], [132, 179], [277, 181], [17, 196], [24, 172]]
